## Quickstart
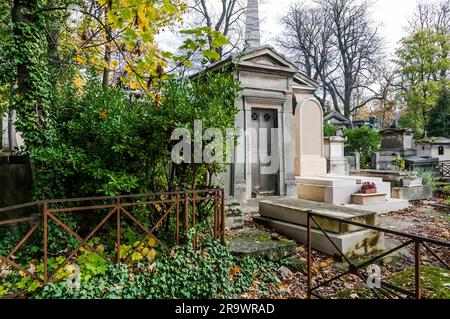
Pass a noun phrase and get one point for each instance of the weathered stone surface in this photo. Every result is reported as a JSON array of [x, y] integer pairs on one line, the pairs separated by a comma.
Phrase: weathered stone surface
[[353, 244], [394, 259], [413, 193], [293, 210], [285, 272], [234, 222], [391, 205], [295, 264], [257, 243]]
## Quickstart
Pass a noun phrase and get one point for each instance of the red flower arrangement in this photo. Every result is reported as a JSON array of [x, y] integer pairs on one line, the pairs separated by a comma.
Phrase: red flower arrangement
[[368, 188]]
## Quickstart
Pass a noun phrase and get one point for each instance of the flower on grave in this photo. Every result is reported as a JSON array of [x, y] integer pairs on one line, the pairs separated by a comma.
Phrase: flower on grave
[[368, 186]]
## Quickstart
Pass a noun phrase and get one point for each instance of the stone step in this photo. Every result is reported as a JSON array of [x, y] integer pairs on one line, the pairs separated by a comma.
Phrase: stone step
[[358, 179], [367, 199], [293, 210], [390, 205], [353, 245], [325, 181], [338, 193]]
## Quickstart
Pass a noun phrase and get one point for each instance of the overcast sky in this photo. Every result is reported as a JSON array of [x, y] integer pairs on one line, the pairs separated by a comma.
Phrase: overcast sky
[[390, 15]]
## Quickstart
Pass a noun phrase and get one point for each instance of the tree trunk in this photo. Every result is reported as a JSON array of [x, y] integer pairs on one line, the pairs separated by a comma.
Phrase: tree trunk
[[106, 69]]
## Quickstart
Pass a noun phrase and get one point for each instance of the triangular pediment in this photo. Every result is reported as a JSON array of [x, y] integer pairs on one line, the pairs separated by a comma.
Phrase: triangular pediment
[[267, 59], [265, 56]]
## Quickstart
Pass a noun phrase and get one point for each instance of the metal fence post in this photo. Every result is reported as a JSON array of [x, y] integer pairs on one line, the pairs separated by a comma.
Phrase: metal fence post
[[45, 221], [177, 230], [118, 231], [417, 268], [222, 217], [309, 260]]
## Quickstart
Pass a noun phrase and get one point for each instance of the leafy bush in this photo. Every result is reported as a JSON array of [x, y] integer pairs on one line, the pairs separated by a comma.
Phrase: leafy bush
[[364, 140], [439, 117], [399, 163], [211, 272], [329, 130], [428, 177], [106, 142]]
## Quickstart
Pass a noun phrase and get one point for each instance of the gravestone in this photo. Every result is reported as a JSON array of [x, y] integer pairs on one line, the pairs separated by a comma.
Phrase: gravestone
[[309, 151], [337, 164]]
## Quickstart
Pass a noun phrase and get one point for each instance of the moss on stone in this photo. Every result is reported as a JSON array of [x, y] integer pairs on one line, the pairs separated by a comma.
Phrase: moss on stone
[[435, 284], [434, 281]]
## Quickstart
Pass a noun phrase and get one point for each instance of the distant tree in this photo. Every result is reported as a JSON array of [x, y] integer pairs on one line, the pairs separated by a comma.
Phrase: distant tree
[[423, 66], [431, 15], [439, 122], [336, 43], [225, 16]]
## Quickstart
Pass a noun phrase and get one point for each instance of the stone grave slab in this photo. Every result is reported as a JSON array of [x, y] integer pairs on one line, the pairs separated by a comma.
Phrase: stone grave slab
[[293, 210], [257, 243]]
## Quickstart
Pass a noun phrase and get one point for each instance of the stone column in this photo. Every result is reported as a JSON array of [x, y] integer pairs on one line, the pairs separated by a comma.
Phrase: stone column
[[337, 164], [289, 148], [357, 161], [240, 154]]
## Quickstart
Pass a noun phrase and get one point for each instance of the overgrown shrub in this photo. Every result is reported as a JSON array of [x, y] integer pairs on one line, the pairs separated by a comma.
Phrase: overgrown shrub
[[211, 272], [329, 130], [106, 142], [364, 140]]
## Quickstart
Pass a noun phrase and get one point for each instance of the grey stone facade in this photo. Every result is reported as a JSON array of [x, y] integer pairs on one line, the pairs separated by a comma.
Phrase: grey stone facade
[[269, 83]]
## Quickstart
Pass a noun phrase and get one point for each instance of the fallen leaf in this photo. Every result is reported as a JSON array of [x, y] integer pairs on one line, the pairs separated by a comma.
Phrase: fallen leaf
[[234, 271]]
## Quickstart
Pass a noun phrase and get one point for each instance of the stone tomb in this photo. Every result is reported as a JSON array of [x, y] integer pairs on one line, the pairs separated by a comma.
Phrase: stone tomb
[[402, 186], [288, 216], [338, 190]]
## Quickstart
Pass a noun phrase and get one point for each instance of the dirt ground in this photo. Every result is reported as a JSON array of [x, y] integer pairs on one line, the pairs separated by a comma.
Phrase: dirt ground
[[423, 218]]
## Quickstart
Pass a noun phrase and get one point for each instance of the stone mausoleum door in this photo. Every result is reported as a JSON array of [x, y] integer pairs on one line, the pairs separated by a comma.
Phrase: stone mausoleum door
[[262, 146]]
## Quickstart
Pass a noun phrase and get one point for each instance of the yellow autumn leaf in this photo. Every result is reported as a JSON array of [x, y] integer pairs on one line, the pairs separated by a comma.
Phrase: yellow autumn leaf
[[152, 242], [79, 81], [103, 114], [22, 273], [133, 85], [323, 264], [114, 64], [136, 256], [100, 249], [127, 69], [145, 251], [151, 255], [329, 260], [80, 59]]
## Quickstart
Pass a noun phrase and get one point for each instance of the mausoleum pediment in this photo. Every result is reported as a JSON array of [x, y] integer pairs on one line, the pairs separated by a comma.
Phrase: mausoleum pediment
[[265, 56]]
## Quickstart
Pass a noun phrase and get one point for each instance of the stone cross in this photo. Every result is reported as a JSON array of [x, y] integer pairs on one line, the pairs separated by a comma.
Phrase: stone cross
[[252, 33]]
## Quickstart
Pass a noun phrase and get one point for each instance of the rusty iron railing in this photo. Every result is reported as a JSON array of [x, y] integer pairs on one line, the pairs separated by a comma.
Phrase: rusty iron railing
[[386, 288], [440, 169], [443, 167], [186, 205]]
